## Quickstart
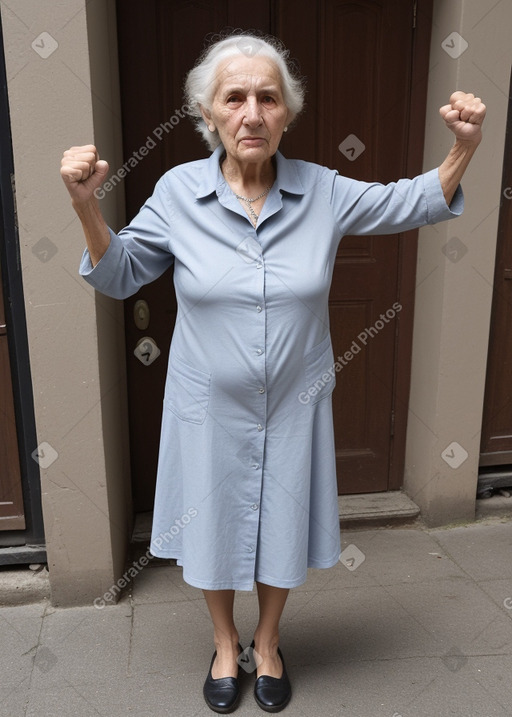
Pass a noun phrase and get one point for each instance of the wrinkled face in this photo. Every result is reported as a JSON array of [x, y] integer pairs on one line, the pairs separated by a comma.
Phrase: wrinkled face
[[248, 109]]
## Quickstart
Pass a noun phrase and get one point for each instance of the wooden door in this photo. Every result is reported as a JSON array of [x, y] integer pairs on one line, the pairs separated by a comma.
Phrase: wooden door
[[366, 66], [496, 441], [11, 498]]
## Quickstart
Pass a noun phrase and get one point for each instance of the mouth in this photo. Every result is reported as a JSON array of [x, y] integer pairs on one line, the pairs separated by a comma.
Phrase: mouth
[[253, 141]]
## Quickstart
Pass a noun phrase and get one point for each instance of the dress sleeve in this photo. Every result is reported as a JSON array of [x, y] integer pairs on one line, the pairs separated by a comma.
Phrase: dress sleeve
[[138, 254], [374, 208]]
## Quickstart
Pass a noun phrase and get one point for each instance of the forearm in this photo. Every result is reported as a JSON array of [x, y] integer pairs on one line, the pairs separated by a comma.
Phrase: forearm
[[94, 227], [454, 166]]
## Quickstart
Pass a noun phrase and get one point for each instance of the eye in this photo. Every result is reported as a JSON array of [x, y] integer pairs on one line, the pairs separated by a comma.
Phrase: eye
[[234, 99], [268, 99]]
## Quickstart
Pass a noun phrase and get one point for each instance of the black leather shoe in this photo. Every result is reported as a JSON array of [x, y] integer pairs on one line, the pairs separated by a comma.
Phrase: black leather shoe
[[221, 695], [272, 694]]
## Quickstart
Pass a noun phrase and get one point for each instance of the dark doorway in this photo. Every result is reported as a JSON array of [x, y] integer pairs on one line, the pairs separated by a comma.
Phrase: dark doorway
[[21, 521], [367, 66], [496, 443]]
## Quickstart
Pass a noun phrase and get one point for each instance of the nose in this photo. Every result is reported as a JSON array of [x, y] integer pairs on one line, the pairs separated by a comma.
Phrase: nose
[[252, 112]]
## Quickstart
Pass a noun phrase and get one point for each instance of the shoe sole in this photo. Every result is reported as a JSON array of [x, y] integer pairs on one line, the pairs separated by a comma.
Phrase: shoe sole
[[277, 708], [225, 710]]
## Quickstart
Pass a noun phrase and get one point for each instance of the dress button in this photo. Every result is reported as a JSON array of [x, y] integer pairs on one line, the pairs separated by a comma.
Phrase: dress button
[[250, 548], [261, 390], [258, 266], [259, 427], [255, 506], [255, 465], [258, 309], [259, 352]]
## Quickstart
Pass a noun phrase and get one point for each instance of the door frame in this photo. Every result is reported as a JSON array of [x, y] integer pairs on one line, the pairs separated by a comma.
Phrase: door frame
[[28, 545], [422, 24]]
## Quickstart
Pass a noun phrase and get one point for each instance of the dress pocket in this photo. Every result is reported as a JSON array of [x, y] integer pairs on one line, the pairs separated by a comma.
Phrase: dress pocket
[[187, 391], [319, 370]]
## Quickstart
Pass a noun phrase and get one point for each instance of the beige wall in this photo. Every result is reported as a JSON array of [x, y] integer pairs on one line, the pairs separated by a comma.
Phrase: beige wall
[[76, 339], [453, 299]]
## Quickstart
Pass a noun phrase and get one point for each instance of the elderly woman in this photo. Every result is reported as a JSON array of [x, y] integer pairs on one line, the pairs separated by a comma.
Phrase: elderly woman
[[253, 238]]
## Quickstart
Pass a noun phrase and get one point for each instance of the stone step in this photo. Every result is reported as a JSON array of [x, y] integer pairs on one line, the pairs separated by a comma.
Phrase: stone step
[[372, 509], [376, 509], [22, 585]]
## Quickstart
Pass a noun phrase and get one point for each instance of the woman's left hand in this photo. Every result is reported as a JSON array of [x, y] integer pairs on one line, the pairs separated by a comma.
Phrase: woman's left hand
[[464, 116]]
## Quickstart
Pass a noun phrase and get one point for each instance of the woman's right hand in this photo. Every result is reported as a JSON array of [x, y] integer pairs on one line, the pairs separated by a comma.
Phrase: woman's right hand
[[83, 172]]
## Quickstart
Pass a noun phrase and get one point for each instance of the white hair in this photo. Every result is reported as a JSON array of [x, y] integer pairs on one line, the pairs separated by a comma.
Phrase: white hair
[[201, 81]]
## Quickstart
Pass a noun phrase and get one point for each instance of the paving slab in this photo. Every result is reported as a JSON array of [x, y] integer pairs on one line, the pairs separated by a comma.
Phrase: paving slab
[[399, 555], [168, 638], [420, 627], [140, 696], [354, 624], [14, 698], [82, 644], [418, 687], [20, 628], [162, 584], [483, 551], [442, 608], [500, 591]]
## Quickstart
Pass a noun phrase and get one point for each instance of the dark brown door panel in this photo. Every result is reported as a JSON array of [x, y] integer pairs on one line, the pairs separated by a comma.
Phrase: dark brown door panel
[[12, 515], [366, 68]]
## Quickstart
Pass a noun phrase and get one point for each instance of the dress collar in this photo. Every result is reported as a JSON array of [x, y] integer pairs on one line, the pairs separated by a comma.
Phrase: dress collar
[[287, 176]]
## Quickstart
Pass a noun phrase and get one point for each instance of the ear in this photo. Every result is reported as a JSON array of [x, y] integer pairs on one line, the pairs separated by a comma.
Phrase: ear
[[207, 118], [289, 118]]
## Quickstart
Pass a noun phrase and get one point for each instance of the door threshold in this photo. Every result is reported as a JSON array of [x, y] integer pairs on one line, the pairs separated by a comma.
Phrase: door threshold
[[22, 555], [363, 509], [376, 509], [142, 527], [492, 478]]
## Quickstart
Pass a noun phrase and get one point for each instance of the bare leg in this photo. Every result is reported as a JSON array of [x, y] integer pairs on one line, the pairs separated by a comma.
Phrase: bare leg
[[225, 635], [266, 636]]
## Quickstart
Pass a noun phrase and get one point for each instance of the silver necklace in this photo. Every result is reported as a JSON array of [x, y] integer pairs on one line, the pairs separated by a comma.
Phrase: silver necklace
[[249, 202]]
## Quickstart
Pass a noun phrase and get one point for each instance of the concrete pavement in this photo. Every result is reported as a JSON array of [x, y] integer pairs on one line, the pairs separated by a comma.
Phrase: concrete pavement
[[412, 623]]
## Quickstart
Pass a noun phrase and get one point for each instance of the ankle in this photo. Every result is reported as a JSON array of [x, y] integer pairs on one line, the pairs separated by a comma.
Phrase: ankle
[[266, 644], [226, 642]]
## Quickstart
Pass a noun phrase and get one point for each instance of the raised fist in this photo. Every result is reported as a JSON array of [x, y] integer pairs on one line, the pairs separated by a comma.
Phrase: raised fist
[[464, 116], [83, 172]]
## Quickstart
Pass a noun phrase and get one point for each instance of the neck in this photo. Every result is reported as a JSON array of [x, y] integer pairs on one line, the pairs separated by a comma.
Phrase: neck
[[248, 179]]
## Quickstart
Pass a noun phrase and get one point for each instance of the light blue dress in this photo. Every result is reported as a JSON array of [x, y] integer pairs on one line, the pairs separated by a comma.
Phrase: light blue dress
[[246, 485]]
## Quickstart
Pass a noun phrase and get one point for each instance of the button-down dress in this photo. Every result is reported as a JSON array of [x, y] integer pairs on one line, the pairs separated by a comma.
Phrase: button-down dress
[[246, 485]]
